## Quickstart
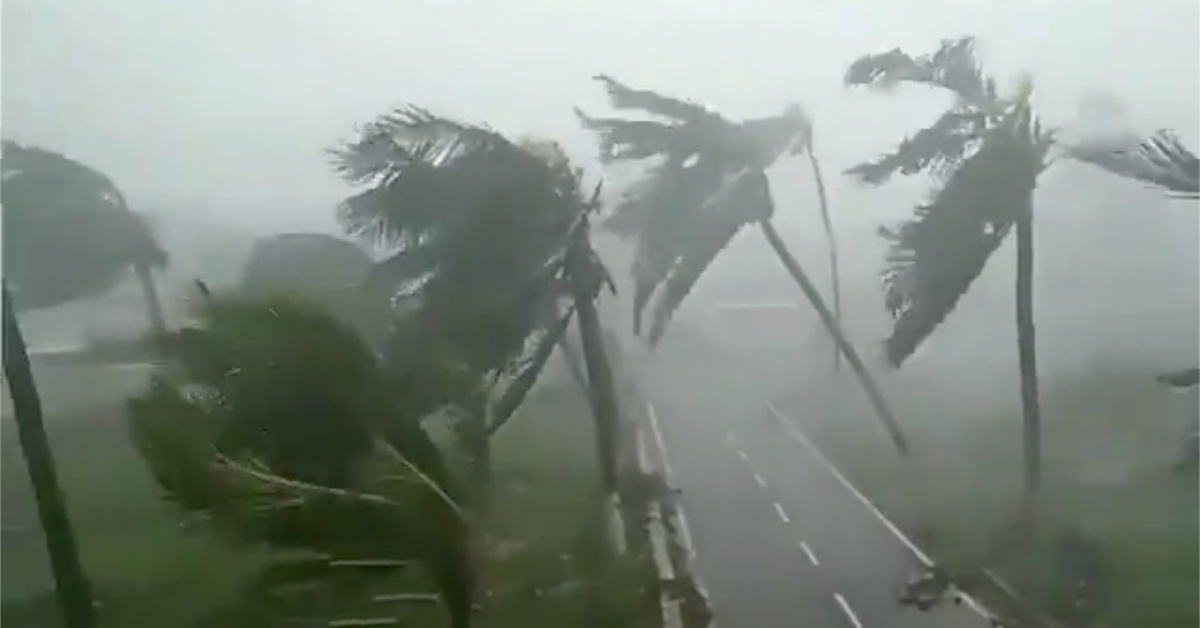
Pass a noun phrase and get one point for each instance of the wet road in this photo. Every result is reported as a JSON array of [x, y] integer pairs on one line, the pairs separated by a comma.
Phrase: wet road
[[782, 539]]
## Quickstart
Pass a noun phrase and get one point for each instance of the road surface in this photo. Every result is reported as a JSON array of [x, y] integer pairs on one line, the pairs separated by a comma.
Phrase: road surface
[[781, 537]]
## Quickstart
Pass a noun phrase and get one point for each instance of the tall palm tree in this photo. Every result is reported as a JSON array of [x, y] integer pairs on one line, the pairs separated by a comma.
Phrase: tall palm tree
[[710, 181], [67, 235], [279, 423], [489, 238], [987, 153]]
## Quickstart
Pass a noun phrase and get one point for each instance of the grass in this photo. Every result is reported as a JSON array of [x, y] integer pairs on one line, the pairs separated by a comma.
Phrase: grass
[[1110, 439], [539, 547]]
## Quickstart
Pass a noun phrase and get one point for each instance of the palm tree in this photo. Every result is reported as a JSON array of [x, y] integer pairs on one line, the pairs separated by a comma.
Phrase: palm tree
[[70, 581], [279, 424], [70, 233], [708, 184], [68, 236], [489, 239], [987, 153]]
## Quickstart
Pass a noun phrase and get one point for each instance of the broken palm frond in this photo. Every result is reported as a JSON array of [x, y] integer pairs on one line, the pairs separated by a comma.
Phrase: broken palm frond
[[1161, 161], [934, 257]]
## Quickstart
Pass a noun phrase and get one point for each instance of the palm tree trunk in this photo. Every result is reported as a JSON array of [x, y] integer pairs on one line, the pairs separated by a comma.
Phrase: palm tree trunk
[[154, 309], [70, 582], [1031, 412], [827, 221], [835, 331], [573, 362], [601, 386]]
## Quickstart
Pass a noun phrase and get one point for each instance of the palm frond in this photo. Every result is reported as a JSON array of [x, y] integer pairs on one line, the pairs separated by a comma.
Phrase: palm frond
[[527, 375], [939, 148], [952, 66], [1161, 161], [621, 96], [934, 257], [418, 168]]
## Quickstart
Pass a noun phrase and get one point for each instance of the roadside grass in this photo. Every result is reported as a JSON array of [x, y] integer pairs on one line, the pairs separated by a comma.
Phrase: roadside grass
[[540, 547], [1110, 438]]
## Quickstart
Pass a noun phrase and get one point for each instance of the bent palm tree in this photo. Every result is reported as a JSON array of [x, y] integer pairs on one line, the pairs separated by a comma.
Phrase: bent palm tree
[[708, 184], [490, 240], [67, 236], [987, 153], [278, 423]]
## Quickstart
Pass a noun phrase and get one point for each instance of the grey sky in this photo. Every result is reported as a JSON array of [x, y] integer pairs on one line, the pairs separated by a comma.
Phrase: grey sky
[[226, 105]]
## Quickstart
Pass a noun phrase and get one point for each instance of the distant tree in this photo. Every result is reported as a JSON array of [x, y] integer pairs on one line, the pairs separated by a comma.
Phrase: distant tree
[[709, 182], [986, 153], [279, 424]]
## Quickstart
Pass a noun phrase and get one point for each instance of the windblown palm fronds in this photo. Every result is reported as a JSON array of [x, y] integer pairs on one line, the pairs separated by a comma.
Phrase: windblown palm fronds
[[682, 213], [934, 257], [275, 422], [944, 145], [68, 232], [1160, 160]]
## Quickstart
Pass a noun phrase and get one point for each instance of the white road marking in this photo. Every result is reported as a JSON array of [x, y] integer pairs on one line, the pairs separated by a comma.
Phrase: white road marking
[[742, 454], [782, 515], [758, 479], [845, 606], [795, 432], [812, 558], [668, 473]]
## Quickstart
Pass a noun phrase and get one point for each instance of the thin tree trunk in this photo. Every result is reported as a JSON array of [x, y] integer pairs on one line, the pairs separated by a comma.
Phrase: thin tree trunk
[[73, 589], [154, 309], [827, 220], [574, 365], [601, 385], [835, 330], [1031, 412]]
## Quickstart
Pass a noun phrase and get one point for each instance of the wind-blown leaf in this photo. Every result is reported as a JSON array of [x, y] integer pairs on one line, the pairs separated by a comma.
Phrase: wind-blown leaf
[[953, 67], [622, 96], [522, 382], [934, 257], [939, 148], [1160, 160]]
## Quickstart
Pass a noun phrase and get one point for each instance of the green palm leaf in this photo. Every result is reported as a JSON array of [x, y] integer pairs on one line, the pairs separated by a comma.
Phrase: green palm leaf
[[934, 257], [1161, 161]]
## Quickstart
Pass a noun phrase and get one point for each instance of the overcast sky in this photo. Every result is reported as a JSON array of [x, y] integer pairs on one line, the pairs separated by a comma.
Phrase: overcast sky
[[225, 106]]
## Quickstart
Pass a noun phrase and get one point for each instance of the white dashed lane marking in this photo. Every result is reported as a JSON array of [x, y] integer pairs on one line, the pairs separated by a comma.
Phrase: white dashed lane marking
[[849, 612], [758, 479], [783, 516], [812, 558]]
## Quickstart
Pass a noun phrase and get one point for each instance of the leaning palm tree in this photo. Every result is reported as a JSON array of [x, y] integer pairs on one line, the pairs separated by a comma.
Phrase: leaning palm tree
[[489, 240], [709, 182], [987, 153], [279, 425], [67, 236]]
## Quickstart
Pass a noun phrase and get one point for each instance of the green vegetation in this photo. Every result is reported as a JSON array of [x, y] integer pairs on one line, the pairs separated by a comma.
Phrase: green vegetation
[[537, 545]]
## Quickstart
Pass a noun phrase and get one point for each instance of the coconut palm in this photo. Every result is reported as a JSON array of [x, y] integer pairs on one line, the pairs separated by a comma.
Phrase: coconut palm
[[278, 423], [1160, 161], [987, 153], [489, 242], [709, 182]]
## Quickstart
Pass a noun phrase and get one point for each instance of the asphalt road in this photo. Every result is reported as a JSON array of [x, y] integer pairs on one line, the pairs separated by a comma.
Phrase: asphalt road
[[781, 537]]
